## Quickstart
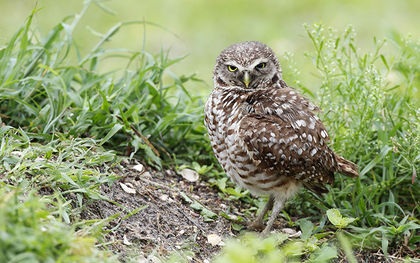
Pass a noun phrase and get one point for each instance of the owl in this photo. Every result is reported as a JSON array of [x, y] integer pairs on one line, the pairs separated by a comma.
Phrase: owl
[[265, 134]]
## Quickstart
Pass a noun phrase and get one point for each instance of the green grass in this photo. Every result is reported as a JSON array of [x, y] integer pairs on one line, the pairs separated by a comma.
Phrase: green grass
[[132, 113], [375, 122], [29, 234], [44, 188], [67, 123]]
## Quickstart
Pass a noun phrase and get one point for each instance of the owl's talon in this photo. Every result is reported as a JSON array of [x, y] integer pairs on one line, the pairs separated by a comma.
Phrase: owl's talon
[[256, 226], [265, 232]]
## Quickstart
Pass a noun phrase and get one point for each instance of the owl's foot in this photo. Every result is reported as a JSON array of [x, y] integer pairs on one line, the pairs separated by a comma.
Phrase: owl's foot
[[258, 224], [277, 207], [265, 232]]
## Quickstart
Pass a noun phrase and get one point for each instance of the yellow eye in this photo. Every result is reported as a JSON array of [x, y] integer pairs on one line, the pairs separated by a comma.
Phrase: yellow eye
[[261, 65], [232, 68]]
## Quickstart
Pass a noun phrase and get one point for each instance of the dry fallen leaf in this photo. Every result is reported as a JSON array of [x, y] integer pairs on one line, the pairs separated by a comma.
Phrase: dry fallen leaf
[[214, 239], [164, 197], [129, 185], [126, 242], [127, 189], [189, 175], [291, 232], [297, 234], [147, 174], [139, 167]]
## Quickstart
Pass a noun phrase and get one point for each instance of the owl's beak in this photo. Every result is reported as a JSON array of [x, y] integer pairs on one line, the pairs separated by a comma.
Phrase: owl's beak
[[246, 78]]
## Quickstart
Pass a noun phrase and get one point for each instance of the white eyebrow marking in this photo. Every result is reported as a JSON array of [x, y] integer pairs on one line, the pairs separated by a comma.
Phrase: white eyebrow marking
[[256, 62], [250, 67], [233, 63]]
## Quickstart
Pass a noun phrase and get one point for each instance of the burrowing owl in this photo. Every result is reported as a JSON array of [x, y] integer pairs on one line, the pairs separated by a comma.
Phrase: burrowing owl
[[265, 134]]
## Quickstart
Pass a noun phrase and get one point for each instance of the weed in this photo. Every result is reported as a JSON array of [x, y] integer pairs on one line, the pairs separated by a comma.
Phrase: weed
[[36, 228], [374, 122], [28, 233]]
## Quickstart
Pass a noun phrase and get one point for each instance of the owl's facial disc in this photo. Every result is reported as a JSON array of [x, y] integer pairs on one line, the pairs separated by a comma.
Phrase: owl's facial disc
[[248, 75], [248, 65]]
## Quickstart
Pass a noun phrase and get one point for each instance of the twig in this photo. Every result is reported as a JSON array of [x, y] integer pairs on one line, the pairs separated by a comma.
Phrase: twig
[[157, 221], [389, 256], [192, 220], [179, 209], [141, 136], [158, 184]]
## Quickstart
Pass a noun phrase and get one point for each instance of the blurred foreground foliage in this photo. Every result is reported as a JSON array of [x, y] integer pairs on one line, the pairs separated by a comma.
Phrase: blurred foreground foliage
[[28, 233], [43, 190]]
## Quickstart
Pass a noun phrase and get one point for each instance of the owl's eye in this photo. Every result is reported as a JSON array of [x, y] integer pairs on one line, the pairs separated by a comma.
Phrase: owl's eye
[[232, 68], [261, 65]]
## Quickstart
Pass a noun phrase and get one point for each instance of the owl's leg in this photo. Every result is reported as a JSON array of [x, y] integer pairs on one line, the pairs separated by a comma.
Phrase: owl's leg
[[258, 222], [278, 206]]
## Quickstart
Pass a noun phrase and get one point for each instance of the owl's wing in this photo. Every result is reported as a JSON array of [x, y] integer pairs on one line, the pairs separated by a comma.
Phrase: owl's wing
[[282, 135]]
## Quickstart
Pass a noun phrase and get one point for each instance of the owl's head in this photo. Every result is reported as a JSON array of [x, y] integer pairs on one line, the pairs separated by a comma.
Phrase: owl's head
[[249, 65]]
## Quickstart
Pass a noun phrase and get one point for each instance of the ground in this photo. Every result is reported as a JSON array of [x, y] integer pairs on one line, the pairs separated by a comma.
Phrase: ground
[[168, 222]]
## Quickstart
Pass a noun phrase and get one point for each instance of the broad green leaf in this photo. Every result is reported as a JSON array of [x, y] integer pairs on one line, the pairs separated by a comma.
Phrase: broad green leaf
[[324, 254], [337, 219], [307, 227]]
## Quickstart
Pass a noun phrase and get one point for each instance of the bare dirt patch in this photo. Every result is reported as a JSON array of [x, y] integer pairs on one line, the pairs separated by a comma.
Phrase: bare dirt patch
[[168, 222]]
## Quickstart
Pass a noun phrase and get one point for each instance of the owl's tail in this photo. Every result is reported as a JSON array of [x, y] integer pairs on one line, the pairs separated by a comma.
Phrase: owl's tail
[[346, 167]]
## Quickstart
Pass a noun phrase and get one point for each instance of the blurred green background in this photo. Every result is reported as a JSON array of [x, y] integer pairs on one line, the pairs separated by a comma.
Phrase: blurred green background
[[201, 29]]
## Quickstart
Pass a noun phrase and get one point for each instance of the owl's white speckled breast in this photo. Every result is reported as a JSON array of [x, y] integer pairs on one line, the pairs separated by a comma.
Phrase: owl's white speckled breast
[[223, 112]]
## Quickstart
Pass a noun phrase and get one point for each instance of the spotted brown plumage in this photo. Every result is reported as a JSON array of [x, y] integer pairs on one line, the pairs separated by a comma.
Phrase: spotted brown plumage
[[264, 134]]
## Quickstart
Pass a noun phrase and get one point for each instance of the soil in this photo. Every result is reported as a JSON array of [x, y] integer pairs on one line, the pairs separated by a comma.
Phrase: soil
[[167, 223]]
